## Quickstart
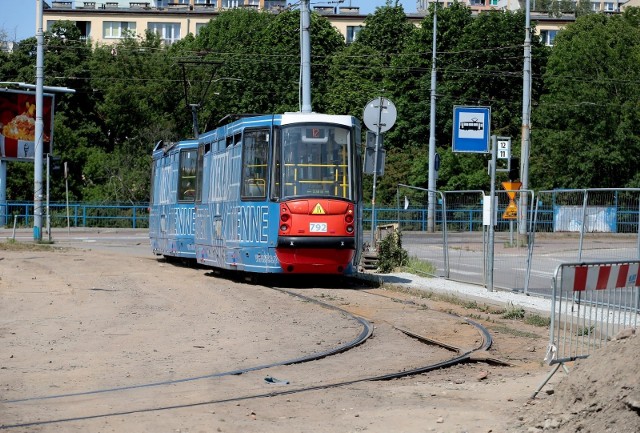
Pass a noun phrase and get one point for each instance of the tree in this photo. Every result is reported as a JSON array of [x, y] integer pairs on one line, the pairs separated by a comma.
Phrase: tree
[[587, 127]]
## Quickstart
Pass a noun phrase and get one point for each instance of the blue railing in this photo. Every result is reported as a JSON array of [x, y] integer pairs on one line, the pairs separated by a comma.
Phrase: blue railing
[[80, 215], [137, 216]]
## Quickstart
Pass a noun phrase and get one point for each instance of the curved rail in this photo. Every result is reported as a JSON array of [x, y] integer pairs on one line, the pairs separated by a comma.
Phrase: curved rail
[[367, 331]]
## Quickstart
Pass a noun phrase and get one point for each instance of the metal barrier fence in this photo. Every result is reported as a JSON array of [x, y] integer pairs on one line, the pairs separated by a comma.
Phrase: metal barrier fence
[[80, 215], [458, 246], [591, 303], [413, 221], [582, 224]]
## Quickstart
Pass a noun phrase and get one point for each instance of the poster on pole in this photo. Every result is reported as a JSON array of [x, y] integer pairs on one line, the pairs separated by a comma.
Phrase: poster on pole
[[471, 129], [18, 124]]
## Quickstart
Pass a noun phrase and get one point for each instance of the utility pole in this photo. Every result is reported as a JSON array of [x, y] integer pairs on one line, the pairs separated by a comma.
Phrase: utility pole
[[526, 121], [305, 56], [39, 128], [431, 208]]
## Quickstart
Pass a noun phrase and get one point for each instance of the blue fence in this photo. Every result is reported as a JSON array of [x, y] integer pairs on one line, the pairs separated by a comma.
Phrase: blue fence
[[80, 215], [467, 219]]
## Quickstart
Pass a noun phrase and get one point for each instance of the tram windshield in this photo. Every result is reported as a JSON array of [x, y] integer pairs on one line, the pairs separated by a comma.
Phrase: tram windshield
[[315, 161]]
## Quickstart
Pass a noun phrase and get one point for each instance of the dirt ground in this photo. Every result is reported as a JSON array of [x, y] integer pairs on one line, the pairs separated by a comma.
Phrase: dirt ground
[[109, 339]]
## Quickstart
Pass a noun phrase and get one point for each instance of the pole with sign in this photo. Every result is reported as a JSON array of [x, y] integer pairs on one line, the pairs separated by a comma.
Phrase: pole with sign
[[379, 115]]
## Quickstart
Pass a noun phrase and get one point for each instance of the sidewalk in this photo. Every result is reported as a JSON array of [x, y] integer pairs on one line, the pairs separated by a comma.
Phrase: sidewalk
[[467, 291]]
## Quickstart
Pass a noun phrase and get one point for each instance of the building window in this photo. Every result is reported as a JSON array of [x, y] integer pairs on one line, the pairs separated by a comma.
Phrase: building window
[[352, 33], [609, 7], [228, 4], [548, 36], [476, 2], [168, 32], [494, 2], [199, 27], [274, 4], [118, 29]]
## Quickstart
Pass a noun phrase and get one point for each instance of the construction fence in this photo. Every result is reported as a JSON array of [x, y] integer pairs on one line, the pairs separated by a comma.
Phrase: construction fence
[[591, 303], [550, 227]]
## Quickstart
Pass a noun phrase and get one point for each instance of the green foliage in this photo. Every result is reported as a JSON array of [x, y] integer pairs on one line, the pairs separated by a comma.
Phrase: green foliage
[[586, 121], [537, 320], [514, 312], [390, 252], [419, 267], [587, 130]]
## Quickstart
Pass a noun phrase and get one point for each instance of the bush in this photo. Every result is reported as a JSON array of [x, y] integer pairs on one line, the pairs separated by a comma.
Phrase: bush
[[390, 253]]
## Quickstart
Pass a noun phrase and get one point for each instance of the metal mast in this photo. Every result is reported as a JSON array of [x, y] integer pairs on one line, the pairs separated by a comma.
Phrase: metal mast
[[305, 56], [431, 210], [526, 119], [39, 129]]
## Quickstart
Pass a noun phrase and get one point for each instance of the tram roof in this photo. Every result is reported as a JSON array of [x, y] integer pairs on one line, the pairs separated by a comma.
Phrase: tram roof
[[289, 118]]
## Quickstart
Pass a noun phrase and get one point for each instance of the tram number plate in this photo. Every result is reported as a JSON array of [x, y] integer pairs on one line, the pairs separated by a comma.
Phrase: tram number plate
[[318, 227]]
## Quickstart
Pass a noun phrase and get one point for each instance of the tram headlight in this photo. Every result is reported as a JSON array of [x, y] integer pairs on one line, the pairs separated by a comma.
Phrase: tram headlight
[[348, 218], [349, 229], [284, 217], [284, 228]]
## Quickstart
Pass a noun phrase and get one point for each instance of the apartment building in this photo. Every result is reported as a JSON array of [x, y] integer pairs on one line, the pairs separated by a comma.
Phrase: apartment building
[[105, 22]]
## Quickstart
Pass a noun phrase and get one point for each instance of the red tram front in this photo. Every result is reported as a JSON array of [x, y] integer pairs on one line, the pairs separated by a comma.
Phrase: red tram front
[[318, 176]]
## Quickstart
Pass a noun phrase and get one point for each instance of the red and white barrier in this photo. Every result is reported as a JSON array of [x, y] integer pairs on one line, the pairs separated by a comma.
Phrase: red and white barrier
[[578, 278]]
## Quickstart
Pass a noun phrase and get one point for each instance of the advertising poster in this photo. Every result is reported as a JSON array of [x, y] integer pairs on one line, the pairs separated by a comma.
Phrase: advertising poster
[[18, 124]]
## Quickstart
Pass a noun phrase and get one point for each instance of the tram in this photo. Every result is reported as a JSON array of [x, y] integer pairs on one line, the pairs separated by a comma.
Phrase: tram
[[278, 193], [172, 204]]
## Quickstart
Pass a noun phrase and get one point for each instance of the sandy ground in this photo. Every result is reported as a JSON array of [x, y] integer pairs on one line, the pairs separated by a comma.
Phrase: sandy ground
[[110, 338]]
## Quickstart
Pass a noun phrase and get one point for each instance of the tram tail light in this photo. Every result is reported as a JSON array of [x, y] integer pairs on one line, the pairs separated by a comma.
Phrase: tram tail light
[[285, 216], [349, 218]]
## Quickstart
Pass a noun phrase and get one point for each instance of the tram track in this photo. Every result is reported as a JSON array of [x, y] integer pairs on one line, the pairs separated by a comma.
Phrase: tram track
[[365, 334]]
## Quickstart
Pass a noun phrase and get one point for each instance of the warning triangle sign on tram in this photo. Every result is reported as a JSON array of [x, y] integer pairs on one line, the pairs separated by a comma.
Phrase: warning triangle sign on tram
[[318, 210]]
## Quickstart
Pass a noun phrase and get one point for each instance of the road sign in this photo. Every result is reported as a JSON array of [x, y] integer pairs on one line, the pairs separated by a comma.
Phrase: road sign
[[511, 213], [380, 113], [471, 129], [504, 147]]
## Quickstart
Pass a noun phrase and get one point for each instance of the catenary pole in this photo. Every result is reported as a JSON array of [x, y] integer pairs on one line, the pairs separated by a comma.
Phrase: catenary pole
[[431, 208], [305, 56], [526, 121], [39, 128]]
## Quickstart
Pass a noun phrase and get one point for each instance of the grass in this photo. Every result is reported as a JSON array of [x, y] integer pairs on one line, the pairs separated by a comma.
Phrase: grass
[[487, 312], [13, 245], [513, 312], [537, 320], [419, 267], [515, 332]]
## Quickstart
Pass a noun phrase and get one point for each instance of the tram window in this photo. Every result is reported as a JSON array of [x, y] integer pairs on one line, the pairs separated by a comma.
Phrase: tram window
[[187, 181], [316, 161], [255, 151], [153, 181], [199, 170]]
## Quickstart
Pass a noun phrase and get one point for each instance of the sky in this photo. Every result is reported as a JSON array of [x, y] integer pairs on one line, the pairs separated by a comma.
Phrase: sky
[[18, 17]]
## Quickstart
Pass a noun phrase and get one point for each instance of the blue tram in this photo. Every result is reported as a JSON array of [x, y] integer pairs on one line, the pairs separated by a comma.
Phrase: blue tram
[[172, 207], [273, 194]]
